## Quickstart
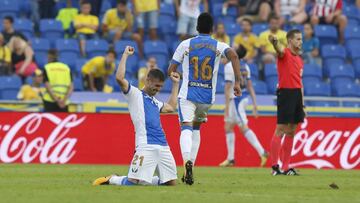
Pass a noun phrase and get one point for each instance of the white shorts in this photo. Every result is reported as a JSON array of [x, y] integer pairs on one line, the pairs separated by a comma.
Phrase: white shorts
[[153, 158], [190, 111], [237, 112]]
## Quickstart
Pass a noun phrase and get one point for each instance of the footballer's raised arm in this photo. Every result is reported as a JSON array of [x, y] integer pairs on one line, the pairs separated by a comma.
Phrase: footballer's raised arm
[[120, 73]]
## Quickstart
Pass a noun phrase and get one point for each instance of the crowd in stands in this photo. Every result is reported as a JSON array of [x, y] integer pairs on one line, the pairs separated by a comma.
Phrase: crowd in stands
[[90, 35]]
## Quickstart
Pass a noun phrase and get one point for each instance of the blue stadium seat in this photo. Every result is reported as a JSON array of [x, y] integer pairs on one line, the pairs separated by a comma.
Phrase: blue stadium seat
[[338, 82], [356, 64], [217, 10], [51, 29], [349, 89], [333, 51], [327, 34], [9, 94], [96, 47], [351, 12], [220, 85], [40, 44], [24, 26], [232, 29], [175, 44], [270, 70], [225, 19], [79, 64], [342, 71], [105, 5], [168, 26], [354, 50], [323, 103], [9, 8], [317, 89], [258, 28], [351, 104], [312, 71], [68, 45], [271, 83], [69, 58], [78, 84], [41, 58], [167, 86], [260, 87], [10, 82], [157, 49], [352, 32], [310, 79], [167, 9]]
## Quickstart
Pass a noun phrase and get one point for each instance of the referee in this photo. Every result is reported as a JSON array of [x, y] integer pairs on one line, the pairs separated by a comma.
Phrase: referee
[[290, 102]]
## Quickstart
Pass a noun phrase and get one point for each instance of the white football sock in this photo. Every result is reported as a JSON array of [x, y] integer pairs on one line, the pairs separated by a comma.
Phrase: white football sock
[[116, 180], [186, 143], [251, 137], [230, 143], [195, 145]]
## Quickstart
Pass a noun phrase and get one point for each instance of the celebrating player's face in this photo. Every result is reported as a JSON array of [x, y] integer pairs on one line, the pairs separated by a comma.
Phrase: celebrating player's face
[[153, 86]]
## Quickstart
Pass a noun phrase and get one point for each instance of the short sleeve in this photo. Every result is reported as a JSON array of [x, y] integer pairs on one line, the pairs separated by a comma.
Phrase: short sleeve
[[159, 104], [132, 93], [223, 47], [179, 53], [229, 74]]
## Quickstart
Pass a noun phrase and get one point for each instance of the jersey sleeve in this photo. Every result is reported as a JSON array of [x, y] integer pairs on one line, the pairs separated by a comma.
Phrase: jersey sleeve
[[223, 47], [228, 73], [132, 94], [179, 53]]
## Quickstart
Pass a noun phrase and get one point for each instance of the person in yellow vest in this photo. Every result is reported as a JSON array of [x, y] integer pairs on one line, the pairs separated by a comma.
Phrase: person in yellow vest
[[35, 91], [117, 24], [147, 11], [85, 25], [97, 70], [58, 84]]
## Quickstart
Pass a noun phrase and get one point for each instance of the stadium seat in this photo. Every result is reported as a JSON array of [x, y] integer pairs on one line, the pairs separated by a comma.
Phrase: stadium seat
[[260, 87], [254, 71], [69, 58], [24, 26], [68, 45], [354, 51], [348, 89], [312, 71], [356, 64], [9, 8], [41, 58], [96, 47], [78, 84], [352, 32], [40, 44], [258, 28], [333, 51], [79, 64], [271, 83], [270, 70], [232, 29], [167, 9], [10, 82], [217, 10], [323, 103], [317, 89], [167, 86], [168, 26], [9, 94], [51, 29], [159, 50], [351, 104], [310, 79], [105, 5], [327, 34], [342, 71], [351, 12]]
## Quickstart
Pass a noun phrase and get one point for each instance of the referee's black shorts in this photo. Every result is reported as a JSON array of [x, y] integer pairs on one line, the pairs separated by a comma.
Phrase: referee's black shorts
[[289, 106]]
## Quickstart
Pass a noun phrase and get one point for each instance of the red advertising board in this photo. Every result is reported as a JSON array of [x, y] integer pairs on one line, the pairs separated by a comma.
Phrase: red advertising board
[[109, 139]]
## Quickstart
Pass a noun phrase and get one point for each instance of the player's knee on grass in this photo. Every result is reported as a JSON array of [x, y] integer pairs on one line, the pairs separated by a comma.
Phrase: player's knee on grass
[[170, 183]]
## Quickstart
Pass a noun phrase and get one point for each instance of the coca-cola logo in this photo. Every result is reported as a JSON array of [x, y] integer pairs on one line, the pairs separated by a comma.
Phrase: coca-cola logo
[[24, 141], [324, 145]]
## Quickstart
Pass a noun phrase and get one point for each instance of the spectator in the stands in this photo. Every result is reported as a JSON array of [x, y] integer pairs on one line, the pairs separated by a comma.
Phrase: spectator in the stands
[[118, 24], [143, 71], [291, 11], [58, 83], [33, 91], [86, 25], [239, 4], [95, 6], [248, 39], [220, 34], [257, 10], [310, 45], [330, 12], [67, 15], [9, 31], [97, 70], [265, 45], [5, 58], [147, 12], [188, 12], [22, 57]]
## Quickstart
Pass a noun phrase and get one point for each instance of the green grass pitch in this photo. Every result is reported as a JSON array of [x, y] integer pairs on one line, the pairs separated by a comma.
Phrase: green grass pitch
[[72, 183]]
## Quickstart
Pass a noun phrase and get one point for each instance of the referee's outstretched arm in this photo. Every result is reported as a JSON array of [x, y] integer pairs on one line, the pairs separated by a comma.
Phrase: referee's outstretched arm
[[278, 48]]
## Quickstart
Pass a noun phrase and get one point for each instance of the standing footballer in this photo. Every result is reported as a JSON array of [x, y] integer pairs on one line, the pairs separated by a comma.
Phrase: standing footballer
[[290, 100]]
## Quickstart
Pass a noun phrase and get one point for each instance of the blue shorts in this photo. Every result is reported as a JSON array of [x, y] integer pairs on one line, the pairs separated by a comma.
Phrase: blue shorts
[[151, 17], [186, 25]]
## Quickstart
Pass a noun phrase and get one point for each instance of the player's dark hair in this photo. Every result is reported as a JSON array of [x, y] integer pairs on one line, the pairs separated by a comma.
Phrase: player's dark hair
[[9, 18], [291, 33], [156, 74], [205, 23], [247, 20], [112, 51], [121, 2], [241, 51]]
